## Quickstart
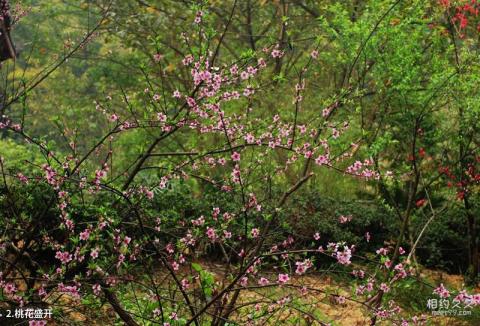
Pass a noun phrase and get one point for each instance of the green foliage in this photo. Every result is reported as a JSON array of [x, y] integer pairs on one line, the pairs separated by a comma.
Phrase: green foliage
[[443, 244], [317, 213]]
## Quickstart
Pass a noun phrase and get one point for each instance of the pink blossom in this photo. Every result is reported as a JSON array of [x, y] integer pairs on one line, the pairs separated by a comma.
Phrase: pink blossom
[[64, 257], [199, 221], [10, 288], [69, 224], [441, 291], [367, 236], [175, 266], [263, 281], [121, 259], [261, 62], [244, 281], [244, 75], [37, 322], [236, 174], [301, 268], [382, 251], [388, 263], [340, 299], [283, 278], [227, 234], [384, 287], [251, 70], [94, 253], [157, 57], [236, 156], [96, 289], [249, 138], [161, 117], [188, 59], [321, 160], [72, 290], [211, 234], [335, 133], [185, 284], [22, 178], [276, 53], [343, 257], [198, 17], [326, 112], [360, 290], [358, 273], [234, 69], [344, 219], [85, 235], [170, 248], [174, 316]]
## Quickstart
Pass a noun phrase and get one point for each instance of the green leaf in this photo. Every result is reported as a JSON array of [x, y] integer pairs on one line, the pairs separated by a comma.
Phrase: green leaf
[[197, 267]]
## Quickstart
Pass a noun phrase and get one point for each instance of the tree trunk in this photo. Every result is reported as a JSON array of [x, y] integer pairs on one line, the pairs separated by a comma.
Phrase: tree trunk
[[473, 259]]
